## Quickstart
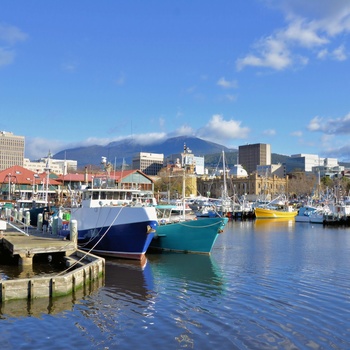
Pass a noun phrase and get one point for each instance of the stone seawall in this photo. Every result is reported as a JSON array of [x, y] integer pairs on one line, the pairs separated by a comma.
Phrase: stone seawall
[[82, 270]]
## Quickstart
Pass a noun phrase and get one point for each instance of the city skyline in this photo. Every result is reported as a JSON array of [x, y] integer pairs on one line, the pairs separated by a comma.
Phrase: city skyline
[[258, 71]]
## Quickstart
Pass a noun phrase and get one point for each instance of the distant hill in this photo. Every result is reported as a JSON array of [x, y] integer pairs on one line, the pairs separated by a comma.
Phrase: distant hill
[[124, 151], [117, 152]]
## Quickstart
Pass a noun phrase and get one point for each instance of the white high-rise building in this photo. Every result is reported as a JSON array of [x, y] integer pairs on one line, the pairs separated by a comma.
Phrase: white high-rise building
[[11, 150]]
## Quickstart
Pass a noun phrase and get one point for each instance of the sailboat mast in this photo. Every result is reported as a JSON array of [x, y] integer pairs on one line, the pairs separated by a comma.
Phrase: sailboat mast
[[183, 192], [224, 170], [47, 169]]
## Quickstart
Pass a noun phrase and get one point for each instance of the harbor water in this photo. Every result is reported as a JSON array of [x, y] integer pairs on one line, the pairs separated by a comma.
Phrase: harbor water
[[267, 285]]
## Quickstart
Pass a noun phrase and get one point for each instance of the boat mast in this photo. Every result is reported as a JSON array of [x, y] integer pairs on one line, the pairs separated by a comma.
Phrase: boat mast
[[224, 169], [47, 169], [184, 193]]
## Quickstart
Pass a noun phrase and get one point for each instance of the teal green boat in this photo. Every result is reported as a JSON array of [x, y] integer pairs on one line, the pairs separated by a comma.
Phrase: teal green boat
[[195, 235]]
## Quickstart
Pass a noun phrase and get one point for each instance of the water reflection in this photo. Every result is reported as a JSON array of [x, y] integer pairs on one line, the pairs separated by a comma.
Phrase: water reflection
[[39, 306], [128, 277], [198, 272], [260, 289], [43, 265], [274, 225]]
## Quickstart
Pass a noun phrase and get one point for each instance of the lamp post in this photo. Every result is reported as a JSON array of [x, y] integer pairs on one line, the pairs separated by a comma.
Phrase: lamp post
[[9, 186], [47, 169]]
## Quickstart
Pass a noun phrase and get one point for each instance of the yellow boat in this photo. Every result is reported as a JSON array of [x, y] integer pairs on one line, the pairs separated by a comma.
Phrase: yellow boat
[[275, 213]]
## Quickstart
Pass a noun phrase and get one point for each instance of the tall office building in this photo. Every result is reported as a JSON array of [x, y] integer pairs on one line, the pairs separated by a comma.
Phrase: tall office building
[[250, 156], [148, 163], [11, 150]]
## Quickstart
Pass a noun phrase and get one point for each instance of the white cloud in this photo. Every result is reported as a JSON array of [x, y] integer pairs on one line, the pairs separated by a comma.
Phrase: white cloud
[[315, 124], [297, 133], [339, 53], [36, 147], [11, 34], [6, 57], [342, 152], [310, 24], [161, 122], [148, 139], [330, 126], [302, 33], [226, 84], [218, 130], [230, 97], [181, 131], [273, 54], [269, 132], [323, 54]]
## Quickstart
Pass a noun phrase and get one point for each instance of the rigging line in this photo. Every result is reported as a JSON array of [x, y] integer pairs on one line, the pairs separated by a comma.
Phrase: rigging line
[[205, 226], [92, 238], [89, 251], [99, 231]]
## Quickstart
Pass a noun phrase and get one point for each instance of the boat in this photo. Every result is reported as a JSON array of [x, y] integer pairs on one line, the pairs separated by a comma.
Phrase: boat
[[271, 213], [276, 209], [115, 222], [304, 213], [321, 214], [207, 210], [219, 207], [185, 233], [36, 200], [177, 233], [179, 206]]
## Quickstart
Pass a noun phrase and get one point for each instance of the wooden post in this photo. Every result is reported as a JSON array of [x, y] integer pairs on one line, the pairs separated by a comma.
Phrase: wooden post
[[55, 226], [25, 260], [40, 222], [74, 232], [27, 218]]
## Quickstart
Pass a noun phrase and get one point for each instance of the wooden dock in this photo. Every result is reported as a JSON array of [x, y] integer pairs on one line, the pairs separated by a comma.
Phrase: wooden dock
[[36, 243]]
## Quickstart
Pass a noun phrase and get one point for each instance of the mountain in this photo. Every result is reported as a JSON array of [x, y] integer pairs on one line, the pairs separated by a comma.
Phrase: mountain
[[123, 151]]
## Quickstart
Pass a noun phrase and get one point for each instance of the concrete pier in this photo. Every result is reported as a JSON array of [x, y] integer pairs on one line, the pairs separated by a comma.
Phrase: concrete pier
[[82, 268], [90, 269]]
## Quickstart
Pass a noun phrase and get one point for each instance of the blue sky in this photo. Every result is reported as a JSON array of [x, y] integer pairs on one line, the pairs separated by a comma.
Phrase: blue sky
[[75, 73]]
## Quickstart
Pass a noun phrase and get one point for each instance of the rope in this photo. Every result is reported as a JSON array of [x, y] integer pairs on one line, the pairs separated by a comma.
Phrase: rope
[[89, 251], [214, 224]]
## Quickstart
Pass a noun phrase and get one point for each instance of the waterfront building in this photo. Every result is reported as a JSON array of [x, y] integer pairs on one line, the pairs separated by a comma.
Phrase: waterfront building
[[181, 175], [187, 158], [57, 166], [271, 169], [303, 162], [148, 163], [252, 155], [238, 171], [252, 186], [329, 171], [11, 150], [19, 183], [313, 163], [124, 179]]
